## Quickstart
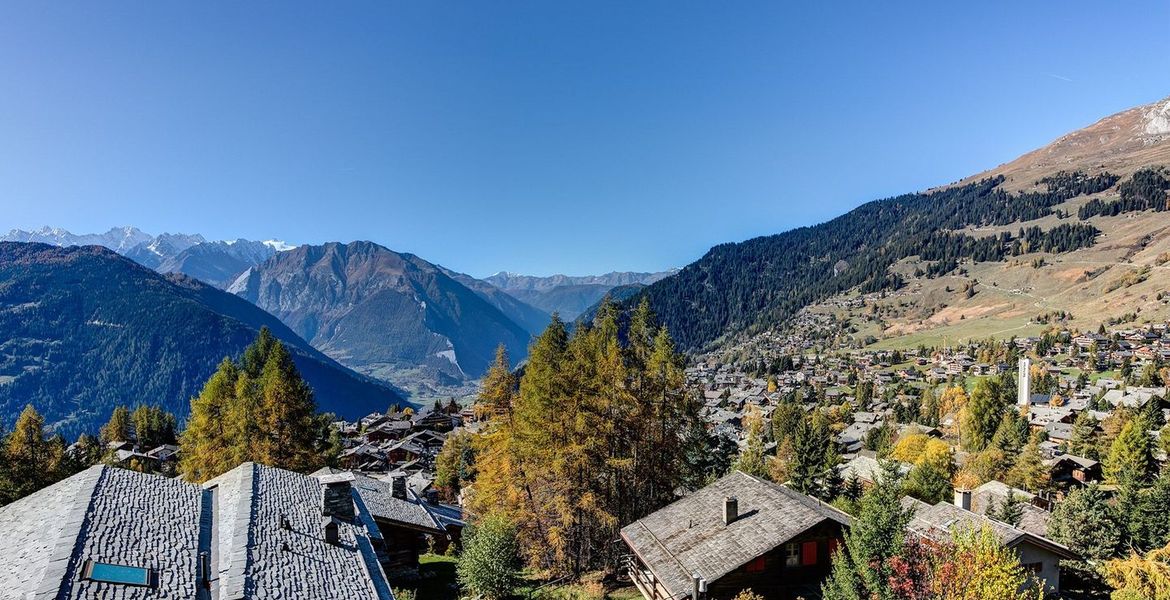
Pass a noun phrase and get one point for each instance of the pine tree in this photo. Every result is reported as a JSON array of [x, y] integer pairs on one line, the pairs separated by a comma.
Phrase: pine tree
[[1085, 522], [981, 417], [1084, 436], [865, 567], [1029, 471], [1010, 510]]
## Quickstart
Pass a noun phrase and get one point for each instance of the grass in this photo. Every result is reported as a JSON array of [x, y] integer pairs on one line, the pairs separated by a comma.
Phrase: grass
[[437, 581]]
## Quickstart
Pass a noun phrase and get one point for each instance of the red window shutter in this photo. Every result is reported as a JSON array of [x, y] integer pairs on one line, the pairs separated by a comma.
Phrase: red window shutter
[[756, 566], [808, 553], [834, 543]]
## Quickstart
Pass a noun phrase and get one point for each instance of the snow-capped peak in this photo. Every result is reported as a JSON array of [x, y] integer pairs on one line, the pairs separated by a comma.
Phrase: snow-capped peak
[[279, 245]]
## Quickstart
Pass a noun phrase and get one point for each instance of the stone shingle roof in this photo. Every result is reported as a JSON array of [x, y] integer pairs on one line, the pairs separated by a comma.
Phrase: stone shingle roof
[[376, 495], [128, 518], [689, 536], [940, 521]]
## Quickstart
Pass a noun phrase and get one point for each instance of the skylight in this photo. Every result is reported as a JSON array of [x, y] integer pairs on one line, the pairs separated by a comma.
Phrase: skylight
[[111, 573]]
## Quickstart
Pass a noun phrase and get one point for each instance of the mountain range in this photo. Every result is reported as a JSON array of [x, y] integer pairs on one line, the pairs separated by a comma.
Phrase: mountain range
[[567, 295], [1075, 227], [383, 312], [84, 329]]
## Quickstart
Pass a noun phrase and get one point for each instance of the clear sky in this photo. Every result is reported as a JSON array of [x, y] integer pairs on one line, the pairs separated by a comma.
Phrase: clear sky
[[537, 137]]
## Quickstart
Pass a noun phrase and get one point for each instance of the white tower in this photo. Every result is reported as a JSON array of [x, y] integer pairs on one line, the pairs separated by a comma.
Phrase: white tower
[[1025, 383]]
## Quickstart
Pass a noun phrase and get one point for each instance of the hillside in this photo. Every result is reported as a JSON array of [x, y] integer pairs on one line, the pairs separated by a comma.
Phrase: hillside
[[387, 314], [1074, 226], [85, 329]]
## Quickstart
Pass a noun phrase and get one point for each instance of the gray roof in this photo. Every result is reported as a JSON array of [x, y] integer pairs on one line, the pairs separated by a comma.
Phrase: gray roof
[[376, 495], [689, 536], [123, 517], [939, 522]]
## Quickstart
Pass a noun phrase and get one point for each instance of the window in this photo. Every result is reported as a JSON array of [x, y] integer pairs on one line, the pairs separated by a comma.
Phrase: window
[[756, 566], [791, 555], [112, 573]]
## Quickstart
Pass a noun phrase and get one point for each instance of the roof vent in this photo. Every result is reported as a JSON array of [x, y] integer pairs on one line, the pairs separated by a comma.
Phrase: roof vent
[[730, 510], [332, 532]]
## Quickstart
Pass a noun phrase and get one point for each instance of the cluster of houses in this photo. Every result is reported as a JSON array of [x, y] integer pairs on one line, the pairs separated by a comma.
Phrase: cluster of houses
[[254, 532], [693, 548]]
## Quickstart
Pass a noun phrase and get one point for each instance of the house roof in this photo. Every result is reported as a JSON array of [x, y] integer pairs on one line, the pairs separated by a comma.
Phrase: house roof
[[689, 536], [376, 495], [939, 522], [123, 517]]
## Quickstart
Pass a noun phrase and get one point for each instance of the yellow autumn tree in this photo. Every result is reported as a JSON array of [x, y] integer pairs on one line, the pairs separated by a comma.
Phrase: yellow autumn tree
[[1139, 577]]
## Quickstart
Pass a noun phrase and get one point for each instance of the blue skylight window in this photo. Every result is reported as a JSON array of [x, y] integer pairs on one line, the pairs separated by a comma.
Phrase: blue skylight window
[[121, 574]]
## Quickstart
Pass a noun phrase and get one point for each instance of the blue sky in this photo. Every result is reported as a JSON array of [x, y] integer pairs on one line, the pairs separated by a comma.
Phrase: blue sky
[[537, 137]]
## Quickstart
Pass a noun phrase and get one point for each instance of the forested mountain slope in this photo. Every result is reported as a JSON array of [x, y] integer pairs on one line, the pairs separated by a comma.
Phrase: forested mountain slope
[[83, 329], [1067, 201]]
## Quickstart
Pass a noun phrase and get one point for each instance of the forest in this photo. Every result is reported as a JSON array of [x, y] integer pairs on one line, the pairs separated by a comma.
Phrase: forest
[[755, 284]]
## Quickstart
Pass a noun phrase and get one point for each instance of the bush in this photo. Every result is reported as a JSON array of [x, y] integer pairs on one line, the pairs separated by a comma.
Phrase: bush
[[490, 564]]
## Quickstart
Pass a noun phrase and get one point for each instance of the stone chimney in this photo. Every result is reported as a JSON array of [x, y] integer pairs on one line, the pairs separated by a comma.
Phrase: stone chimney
[[963, 498], [398, 487], [337, 496], [730, 510]]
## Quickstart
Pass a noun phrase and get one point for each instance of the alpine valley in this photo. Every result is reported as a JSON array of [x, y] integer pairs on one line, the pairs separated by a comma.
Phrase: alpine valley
[[1077, 227]]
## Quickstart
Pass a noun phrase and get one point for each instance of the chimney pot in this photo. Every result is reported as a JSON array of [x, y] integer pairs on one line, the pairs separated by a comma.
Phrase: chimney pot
[[730, 510]]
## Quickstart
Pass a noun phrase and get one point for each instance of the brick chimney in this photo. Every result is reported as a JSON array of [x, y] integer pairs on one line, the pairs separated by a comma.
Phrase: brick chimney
[[730, 510]]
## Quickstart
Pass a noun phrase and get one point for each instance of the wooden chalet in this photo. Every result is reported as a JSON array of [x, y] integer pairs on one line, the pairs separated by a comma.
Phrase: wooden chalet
[[739, 532]]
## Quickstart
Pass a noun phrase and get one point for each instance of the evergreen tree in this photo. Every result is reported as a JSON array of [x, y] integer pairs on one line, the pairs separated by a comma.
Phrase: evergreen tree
[[864, 568], [981, 417], [1029, 471], [1010, 511], [1085, 522], [928, 483], [1084, 436]]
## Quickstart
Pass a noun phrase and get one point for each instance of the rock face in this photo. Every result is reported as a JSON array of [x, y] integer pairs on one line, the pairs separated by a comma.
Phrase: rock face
[[83, 329], [217, 263], [380, 311]]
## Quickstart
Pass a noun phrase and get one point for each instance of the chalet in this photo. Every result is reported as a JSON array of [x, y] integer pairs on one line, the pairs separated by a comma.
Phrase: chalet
[[739, 532], [1068, 471], [253, 532], [1037, 553]]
